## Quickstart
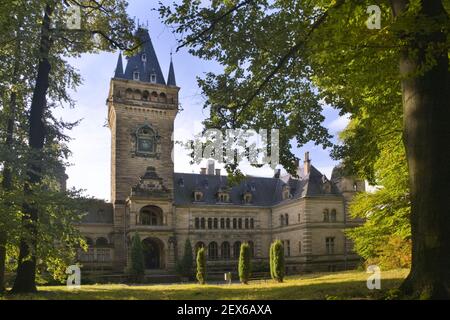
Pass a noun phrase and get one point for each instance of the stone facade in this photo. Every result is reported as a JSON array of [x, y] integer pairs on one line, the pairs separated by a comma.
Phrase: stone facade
[[308, 213]]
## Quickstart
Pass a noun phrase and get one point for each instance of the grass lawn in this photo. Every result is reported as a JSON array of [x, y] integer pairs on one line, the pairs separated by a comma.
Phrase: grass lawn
[[342, 285]]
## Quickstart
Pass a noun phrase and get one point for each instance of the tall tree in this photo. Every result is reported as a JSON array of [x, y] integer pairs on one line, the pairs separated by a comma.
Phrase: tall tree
[[107, 19], [282, 59]]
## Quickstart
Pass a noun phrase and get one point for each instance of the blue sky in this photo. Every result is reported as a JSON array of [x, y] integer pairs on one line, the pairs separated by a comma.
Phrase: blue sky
[[90, 169]]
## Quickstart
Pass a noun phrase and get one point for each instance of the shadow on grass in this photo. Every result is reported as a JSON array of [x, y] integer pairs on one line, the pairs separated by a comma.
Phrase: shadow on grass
[[261, 291]]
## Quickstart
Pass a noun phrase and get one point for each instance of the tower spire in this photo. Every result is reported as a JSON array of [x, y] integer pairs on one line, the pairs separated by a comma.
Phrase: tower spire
[[171, 78], [119, 67]]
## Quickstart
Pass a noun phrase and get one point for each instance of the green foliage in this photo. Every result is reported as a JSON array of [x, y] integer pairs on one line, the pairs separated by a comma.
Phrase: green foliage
[[137, 257], [385, 236], [277, 267], [284, 59], [201, 265], [244, 263], [55, 235], [186, 265]]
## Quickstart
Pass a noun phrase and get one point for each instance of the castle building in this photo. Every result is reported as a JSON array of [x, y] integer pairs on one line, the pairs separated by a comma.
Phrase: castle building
[[308, 213]]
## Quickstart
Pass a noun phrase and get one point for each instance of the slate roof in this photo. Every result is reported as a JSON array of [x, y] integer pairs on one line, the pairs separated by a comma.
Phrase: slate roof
[[265, 191], [171, 81], [145, 67]]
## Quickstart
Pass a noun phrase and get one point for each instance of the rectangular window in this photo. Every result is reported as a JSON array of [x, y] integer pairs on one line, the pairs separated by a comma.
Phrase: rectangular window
[[288, 248], [329, 243]]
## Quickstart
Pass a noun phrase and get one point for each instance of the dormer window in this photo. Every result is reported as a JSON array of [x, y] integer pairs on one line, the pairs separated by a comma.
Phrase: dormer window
[[181, 182], [144, 57], [136, 76], [153, 78], [223, 197], [286, 192], [247, 198], [198, 196]]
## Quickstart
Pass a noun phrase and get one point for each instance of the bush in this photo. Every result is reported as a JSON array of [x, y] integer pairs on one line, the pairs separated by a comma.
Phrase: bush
[[395, 253], [277, 269], [272, 275], [201, 266], [137, 258], [185, 266], [244, 263]]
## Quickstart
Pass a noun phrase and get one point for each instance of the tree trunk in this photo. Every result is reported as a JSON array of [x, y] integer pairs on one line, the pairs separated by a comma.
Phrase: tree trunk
[[9, 141], [426, 106], [25, 281]]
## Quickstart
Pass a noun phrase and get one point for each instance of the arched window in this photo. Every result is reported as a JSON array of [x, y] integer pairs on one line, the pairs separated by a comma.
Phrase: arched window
[[286, 219], [145, 95], [212, 251], [240, 223], [247, 198], [326, 215], [333, 215], [198, 245], [252, 223], [202, 223], [210, 223], [151, 216], [236, 249], [129, 93], [234, 223], [197, 223], [225, 250], [198, 196], [228, 223], [222, 223], [281, 220], [162, 97], [216, 223], [246, 223], [252, 248], [145, 140], [101, 242]]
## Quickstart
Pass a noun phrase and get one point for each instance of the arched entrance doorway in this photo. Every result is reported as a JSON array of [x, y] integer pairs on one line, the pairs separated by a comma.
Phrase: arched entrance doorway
[[153, 253]]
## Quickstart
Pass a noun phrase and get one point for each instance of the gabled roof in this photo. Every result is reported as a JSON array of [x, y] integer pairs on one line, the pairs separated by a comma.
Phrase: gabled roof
[[145, 61]]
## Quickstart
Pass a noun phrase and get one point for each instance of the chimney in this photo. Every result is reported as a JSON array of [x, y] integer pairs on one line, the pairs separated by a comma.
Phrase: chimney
[[210, 167], [217, 172], [277, 173], [203, 171], [307, 164]]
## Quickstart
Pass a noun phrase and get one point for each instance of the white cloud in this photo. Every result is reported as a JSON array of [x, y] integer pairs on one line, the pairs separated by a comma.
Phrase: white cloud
[[339, 124]]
